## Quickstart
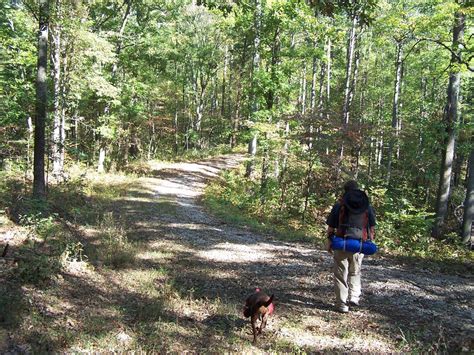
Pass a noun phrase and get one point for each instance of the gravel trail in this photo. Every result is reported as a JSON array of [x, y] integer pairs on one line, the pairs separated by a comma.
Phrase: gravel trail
[[403, 307]]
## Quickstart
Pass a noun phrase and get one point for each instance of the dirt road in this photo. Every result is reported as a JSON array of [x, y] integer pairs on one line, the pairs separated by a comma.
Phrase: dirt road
[[403, 307], [183, 288]]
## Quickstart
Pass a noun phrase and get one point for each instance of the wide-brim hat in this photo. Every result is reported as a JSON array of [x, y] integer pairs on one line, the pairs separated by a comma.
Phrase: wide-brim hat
[[356, 201]]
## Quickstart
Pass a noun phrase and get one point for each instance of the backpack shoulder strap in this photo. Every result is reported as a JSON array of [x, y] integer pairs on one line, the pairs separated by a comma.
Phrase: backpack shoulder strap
[[341, 219], [365, 228]]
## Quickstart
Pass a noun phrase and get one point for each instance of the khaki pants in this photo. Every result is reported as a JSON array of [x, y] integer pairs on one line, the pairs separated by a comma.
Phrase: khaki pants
[[347, 267]]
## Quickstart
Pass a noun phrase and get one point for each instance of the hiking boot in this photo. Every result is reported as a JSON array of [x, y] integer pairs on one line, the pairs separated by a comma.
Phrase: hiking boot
[[343, 308], [354, 304]]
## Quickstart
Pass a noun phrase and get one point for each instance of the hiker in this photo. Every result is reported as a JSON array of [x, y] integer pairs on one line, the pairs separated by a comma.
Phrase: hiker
[[351, 217]]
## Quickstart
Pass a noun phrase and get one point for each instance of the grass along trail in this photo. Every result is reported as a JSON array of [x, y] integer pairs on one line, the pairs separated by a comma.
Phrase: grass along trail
[[189, 273]]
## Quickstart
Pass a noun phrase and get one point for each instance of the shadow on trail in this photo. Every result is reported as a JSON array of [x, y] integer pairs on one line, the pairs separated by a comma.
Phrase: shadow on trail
[[210, 262]]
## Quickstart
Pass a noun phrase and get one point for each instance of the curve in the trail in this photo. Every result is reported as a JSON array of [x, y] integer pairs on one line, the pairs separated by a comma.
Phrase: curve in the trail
[[220, 260]]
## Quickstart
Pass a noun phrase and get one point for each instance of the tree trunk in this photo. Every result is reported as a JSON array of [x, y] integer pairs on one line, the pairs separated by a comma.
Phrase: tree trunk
[[200, 108], [224, 74], [176, 110], [469, 204], [252, 149], [314, 75], [307, 188], [328, 79], [62, 93], [322, 74], [347, 86], [321, 93], [31, 131], [101, 162], [303, 90], [450, 118], [265, 168], [286, 145], [118, 50], [395, 112], [39, 185], [57, 133], [353, 85], [459, 158], [236, 119]]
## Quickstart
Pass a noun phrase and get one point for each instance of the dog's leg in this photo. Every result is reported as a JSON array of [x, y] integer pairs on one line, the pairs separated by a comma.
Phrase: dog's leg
[[253, 320], [263, 324]]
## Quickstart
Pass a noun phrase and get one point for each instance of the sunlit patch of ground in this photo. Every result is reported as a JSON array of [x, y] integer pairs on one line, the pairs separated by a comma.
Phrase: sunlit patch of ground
[[240, 253], [183, 285]]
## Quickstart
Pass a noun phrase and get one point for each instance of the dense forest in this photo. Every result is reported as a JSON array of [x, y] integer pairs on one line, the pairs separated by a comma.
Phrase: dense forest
[[114, 115], [319, 91]]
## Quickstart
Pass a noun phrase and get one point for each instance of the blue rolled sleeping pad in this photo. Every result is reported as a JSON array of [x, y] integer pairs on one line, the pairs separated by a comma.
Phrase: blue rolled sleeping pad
[[353, 245]]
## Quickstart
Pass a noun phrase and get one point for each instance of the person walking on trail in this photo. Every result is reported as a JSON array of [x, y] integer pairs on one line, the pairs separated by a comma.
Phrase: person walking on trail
[[351, 217]]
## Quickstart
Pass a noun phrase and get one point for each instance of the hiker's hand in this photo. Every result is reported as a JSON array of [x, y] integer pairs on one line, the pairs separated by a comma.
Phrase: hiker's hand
[[328, 246]]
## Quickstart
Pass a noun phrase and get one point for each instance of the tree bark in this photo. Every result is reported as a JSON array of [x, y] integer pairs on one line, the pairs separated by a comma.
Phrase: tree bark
[[307, 188], [312, 102], [314, 75], [238, 103], [395, 109], [58, 129], [328, 78], [450, 118], [102, 141], [459, 158], [353, 85], [236, 119], [351, 43], [265, 168], [252, 149], [469, 204], [39, 185], [203, 84], [303, 90], [224, 75], [321, 93], [101, 163]]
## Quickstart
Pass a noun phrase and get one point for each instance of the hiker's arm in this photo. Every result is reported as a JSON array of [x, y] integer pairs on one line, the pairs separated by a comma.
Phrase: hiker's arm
[[332, 222], [372, 222], [372, 232], [330, 233]]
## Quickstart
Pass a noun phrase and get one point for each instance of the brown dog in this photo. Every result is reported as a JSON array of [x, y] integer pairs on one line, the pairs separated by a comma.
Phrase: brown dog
[[258, 306]]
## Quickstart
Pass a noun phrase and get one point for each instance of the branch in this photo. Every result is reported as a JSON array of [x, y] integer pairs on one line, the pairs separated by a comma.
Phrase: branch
[[454, 54], [31, 10], [103, 21], [411, 49]]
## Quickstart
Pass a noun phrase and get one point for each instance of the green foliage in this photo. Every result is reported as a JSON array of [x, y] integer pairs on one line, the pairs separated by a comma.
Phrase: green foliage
[[115, 250], [403, 228], [240, 200], [38, 268], [178, 81], [73, 252]]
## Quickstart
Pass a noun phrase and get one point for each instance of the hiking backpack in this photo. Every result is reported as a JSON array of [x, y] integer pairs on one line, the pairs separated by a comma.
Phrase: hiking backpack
[[354, 215]]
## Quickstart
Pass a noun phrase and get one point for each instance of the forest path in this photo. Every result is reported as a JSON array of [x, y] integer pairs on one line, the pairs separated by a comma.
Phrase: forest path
[[215, 263]]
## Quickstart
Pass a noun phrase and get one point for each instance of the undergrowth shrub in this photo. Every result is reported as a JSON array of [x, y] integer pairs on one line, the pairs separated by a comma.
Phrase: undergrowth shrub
[[48, 249], [116, 250], [403, 222], [38, 268], [40, 226], [138, 168]]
